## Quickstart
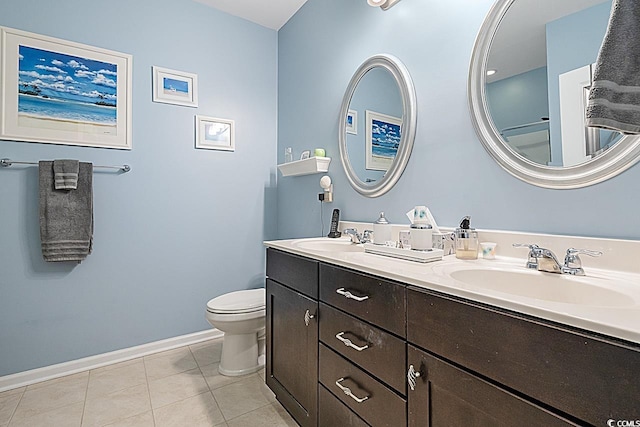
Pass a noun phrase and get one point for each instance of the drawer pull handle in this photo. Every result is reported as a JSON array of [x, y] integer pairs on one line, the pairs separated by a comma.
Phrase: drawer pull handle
[[411, 377], [349, 343], [307, 317], [347, 391], [349, 295]]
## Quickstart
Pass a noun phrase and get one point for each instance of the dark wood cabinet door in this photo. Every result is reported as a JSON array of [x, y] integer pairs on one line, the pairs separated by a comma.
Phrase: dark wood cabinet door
[[445, 395], [292, 351]]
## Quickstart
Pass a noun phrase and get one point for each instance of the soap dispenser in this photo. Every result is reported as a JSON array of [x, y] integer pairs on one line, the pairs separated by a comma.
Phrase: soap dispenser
[[466, 240], [381, 230]]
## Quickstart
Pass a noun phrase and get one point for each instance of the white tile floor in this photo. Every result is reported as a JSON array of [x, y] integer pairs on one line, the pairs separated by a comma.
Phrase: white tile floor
[[181, 387]]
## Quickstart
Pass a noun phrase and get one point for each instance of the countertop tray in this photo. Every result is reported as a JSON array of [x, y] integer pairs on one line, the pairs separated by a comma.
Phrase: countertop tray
[[408, 254]]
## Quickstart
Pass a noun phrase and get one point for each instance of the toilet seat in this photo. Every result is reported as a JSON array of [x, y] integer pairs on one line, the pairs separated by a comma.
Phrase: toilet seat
[[239, 302]]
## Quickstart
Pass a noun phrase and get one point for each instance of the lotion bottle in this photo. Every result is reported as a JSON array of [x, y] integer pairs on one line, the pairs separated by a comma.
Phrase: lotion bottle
[[466, 240]]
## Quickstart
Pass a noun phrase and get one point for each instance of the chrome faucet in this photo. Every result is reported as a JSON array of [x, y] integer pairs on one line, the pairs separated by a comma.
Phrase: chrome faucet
[[356, 237], [543, 259]]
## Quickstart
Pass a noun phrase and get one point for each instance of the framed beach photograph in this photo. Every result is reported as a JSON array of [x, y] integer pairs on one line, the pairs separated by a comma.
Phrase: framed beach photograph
[[175, 87], [215, 134], [60, 92], [352, 122], [382, 140]]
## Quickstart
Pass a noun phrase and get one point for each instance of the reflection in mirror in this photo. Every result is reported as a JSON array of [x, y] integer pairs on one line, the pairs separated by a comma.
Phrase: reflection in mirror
[[373, 142], [377, 125], [529, 81], [542, 58]]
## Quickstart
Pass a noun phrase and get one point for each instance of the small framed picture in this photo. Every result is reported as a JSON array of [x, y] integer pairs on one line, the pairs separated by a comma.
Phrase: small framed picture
[[305, 154], [175, 87], [215, 134], [352, 122]]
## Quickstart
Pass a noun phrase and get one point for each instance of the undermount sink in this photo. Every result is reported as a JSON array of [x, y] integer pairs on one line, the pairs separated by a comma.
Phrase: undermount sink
[[566, 289], [325, 244]]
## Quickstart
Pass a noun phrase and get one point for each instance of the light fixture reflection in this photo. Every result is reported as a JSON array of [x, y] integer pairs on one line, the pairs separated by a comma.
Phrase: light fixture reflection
[[383, 4]]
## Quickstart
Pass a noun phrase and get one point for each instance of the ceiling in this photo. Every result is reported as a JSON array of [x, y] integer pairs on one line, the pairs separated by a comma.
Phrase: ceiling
[[271, 14], [520, 43]]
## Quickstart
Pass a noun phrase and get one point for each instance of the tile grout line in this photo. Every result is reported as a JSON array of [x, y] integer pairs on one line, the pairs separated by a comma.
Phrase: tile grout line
[[146, 377], [16, 408], [86, 397]]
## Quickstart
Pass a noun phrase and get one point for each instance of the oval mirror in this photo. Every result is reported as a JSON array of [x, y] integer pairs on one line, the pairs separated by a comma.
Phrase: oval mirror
[[529, 79], [377, 125]]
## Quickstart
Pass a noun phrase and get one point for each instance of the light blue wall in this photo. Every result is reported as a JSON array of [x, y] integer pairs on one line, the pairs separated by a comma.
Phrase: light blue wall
[[321, 47], [519, 99], [183, 226], [572, 42]]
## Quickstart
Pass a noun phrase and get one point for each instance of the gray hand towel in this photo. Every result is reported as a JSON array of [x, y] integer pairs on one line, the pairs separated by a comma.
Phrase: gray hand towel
[[65, 173], [66, 217], [614, 100]]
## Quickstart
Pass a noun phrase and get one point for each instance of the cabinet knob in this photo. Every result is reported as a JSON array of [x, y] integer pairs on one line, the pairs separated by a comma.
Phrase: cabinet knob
[[412, 375], [307, 317]]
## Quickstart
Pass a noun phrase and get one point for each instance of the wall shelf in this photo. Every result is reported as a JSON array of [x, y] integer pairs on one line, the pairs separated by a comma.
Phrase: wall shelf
[[305, 167]]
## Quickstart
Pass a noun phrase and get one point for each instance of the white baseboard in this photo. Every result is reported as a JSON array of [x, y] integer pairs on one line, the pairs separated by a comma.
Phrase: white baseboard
[[32, 376]]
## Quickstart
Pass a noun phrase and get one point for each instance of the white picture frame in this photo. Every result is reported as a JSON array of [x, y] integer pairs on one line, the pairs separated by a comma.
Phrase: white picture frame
[[215, 134], [55, 91], [352, 122], [175, 87], [382, 139]]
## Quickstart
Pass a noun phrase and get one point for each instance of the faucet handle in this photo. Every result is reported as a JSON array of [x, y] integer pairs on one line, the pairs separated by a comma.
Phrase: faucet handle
[[574, 251], [366, 236], [531, 246], [534, 252], [572, 259]]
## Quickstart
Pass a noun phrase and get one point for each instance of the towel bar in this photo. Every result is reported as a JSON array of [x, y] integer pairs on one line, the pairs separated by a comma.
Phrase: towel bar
[[8, 162]]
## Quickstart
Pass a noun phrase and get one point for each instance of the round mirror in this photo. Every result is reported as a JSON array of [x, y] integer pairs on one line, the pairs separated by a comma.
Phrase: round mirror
[[529, 81], [377, 125]]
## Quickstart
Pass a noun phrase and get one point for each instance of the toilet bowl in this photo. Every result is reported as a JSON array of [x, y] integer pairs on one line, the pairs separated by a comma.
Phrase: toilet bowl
[[241, 316]]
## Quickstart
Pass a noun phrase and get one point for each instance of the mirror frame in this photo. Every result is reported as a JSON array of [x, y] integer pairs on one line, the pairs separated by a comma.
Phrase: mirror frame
[[624, 154], [409, 122]]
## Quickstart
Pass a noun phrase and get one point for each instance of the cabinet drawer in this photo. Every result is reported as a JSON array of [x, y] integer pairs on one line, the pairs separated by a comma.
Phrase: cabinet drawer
[[383, 303], [333, 413], [384, 355], [293, 271], [583, 375], [382, 406]]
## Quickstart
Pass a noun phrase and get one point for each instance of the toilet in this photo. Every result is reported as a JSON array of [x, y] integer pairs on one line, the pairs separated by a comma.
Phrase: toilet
[[241, 316]]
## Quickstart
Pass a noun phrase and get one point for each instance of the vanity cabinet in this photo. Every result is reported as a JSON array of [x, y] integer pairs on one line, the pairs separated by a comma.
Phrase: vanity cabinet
[[292, 334], [341, 343]]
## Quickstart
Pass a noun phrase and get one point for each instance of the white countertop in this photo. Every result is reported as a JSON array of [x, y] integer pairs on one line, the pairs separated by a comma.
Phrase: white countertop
[[616, 320]]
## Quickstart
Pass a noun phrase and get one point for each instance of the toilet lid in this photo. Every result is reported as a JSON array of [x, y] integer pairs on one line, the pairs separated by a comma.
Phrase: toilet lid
[[238, 302]]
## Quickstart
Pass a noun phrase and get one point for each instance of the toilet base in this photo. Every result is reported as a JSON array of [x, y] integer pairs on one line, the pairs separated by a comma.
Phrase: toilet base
[[239, 355]]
